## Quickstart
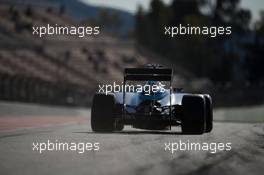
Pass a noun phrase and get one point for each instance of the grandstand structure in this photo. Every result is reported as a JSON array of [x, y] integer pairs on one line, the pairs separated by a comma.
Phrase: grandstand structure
[[57, 70]]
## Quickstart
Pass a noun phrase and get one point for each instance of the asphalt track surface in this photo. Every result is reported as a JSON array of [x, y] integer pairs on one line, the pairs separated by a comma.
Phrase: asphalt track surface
[[131, 151]]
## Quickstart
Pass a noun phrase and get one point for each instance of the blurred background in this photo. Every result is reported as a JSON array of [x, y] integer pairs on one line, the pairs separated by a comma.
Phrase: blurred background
[[66, 70]]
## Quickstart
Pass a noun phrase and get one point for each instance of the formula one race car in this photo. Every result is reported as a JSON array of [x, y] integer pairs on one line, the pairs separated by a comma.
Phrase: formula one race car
[[151, 108]]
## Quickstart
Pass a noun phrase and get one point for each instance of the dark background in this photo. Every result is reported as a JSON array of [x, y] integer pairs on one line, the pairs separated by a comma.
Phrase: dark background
[[66, 70]]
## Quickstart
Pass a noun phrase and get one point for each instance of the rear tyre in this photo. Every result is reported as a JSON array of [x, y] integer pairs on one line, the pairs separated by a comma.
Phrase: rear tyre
[[193, 120], [102, 116], [208, 113]]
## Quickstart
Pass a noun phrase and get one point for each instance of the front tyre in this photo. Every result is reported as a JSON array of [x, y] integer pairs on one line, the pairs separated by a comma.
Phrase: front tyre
[[102, 116], [193, 120]]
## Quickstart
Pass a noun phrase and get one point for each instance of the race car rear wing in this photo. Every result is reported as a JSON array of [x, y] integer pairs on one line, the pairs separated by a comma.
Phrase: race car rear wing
[[145, 74]]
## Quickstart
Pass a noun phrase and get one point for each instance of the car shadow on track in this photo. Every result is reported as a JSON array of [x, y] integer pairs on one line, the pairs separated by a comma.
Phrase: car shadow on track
[[134, 133]]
